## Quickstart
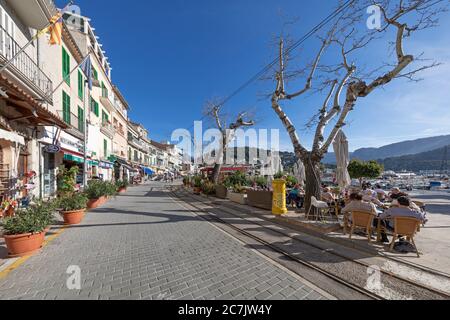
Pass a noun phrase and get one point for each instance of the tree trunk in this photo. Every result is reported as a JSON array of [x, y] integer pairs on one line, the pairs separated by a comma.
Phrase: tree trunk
[[313, 186], [216, 173]]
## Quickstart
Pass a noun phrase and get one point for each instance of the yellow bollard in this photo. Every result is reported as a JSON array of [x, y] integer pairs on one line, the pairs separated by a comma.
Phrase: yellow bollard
[[279, 197]]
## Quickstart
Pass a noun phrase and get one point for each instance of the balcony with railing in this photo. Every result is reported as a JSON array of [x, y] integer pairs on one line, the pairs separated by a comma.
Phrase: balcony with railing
[[24, 67], [76, 124], [107, 129]]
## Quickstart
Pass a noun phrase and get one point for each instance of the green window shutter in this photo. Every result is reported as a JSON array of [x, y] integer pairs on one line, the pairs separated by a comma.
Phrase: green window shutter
[[66, 108], [94, 73], [104, 91], [97, 112], [66, 66], [80, 85], [105, 148], [80, 119]]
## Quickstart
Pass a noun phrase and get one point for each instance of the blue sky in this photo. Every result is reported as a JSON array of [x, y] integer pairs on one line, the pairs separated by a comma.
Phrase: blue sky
[[169, 57]]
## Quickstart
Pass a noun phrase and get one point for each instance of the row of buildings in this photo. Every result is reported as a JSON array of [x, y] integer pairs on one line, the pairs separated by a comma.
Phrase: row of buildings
[[44, 101]]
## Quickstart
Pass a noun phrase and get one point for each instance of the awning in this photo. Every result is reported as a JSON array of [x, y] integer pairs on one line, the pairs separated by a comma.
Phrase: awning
[[106, 165], [70, 157], [11, 136], [124, 164], [148, 171]]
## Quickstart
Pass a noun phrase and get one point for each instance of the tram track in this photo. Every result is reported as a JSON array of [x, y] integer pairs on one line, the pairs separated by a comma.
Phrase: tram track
[[328, 263]]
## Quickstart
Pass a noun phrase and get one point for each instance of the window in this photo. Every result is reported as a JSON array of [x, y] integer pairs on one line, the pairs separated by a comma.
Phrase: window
[[80, 119], [105, 148], [80, 85], [95, 73], [105, 117], [104, 91], [66, 108], [66, 66], [95, 107]]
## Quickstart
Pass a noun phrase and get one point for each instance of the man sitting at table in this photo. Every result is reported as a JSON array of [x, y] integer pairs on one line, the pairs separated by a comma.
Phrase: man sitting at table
[[396, 193], [296, 196], [358, 204], [403, 210], [372, 197]]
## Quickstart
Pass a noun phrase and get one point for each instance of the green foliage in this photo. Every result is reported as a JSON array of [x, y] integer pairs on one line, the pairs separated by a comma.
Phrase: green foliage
[[261, 182], [67, 179], [97, 189], [34, 219], [279, 175], [238, 178], [360, 169], [122, 184], [291, 181], [77, 201], [208, 188], [197, 182], [186, 181], [238, 188]]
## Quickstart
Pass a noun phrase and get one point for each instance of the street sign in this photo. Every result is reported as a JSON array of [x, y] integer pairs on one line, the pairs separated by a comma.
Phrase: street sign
[[51, 148]]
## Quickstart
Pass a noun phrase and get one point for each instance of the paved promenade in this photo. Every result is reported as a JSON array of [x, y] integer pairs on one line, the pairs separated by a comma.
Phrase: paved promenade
[[143, 245]]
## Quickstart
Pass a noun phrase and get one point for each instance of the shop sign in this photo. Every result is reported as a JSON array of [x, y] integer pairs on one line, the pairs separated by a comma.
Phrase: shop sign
[[52, 148]]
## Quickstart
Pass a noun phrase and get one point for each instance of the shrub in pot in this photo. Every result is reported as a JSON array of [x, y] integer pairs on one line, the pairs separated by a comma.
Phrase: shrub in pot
[[73, 208], [186, 181], [97, 192], [25, 232], [208, 188], [121, 186], [238, 195], [197, 184], [221, 191]]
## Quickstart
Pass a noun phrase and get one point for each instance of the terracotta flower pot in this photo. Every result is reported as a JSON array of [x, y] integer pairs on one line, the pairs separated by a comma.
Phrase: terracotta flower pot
[[73, 217], [122, 190], [95, 203], [24, 244], [197, 190]]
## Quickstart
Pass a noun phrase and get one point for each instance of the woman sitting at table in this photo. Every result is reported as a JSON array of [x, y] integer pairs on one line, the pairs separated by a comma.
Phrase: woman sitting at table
[[328, 196], [296, 196]]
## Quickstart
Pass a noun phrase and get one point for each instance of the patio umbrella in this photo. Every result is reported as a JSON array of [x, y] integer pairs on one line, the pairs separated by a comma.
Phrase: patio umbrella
[[340, 146], [299, 172]]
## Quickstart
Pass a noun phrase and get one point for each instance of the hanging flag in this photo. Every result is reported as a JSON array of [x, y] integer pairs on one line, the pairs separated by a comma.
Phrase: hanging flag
[[55, 29], [86, 67]]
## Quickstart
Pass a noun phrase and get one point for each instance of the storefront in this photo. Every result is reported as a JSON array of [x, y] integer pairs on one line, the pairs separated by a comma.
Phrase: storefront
[[122, 170], [106, 171], [58, 148]]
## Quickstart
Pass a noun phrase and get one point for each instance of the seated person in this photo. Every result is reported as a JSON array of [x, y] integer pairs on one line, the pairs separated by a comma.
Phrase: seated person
[[358, 204], [403, 210], [381, 194], [396, 193], [328, 196], [296, 196], [372, 197]]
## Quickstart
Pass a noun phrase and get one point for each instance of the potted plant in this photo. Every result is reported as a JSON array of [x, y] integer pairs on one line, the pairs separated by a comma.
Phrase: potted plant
[[208, 188], [97, 193], [67, 179], [197, 185], [238, 195], [221, 191], [122, 186], [186, 181], [24, 233], [73, 208]]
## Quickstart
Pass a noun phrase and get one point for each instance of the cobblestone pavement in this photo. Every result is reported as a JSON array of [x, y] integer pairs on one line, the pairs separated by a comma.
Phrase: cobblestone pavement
[[143, 245]]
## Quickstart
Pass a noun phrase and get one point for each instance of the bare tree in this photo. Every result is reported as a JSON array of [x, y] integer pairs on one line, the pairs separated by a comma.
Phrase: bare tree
[[346, 82], [214, 111]]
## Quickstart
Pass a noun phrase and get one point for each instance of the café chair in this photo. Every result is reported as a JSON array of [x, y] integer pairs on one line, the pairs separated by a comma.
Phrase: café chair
[[362, 220], [406, 227]]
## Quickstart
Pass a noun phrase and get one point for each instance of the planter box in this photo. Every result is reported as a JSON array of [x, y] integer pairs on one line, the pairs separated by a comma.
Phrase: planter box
[[260, 199], [239, 198], [221, 192]]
